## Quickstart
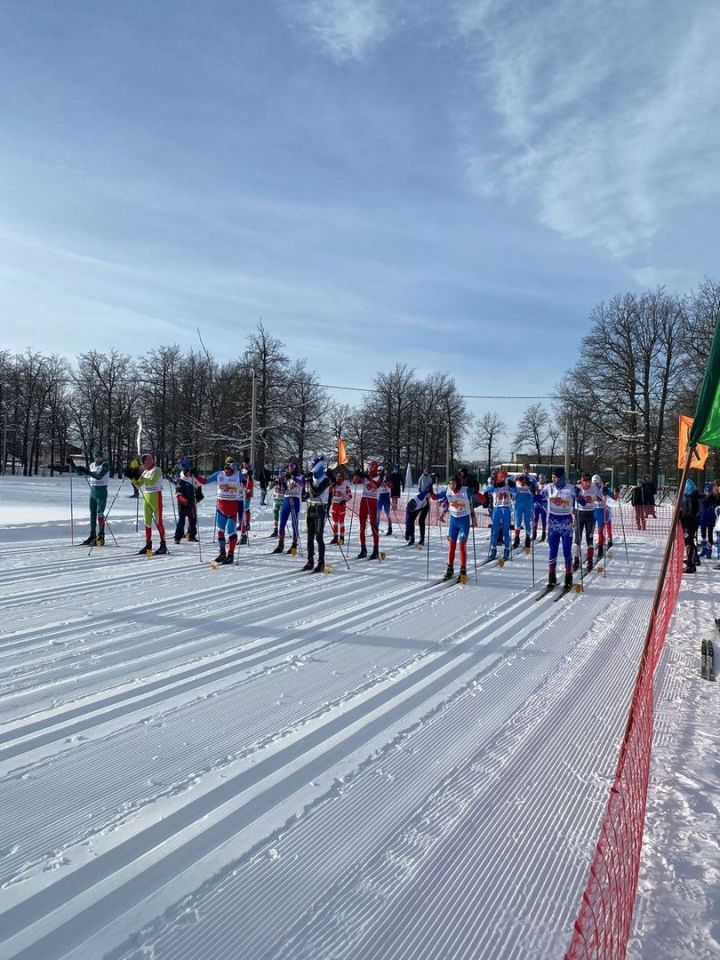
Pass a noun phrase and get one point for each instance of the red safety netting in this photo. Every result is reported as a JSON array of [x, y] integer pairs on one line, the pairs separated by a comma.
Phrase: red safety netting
[[602, 927]]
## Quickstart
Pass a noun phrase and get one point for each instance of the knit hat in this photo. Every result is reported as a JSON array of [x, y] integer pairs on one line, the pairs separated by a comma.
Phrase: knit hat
[[558, 472]]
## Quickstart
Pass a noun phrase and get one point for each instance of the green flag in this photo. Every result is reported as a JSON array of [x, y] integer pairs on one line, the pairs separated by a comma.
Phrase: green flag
[[706, 425]]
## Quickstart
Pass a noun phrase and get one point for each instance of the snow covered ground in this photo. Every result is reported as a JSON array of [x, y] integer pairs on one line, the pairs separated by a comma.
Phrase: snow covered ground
[[253, 762]]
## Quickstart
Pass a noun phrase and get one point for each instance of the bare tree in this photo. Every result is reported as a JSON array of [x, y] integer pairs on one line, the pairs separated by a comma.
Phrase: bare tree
[[489, 428], [532, 428]]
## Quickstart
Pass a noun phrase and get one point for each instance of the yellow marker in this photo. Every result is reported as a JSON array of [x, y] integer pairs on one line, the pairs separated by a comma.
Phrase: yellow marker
[[578, 588], [328, 568], [148, 553], [213, 564], [501, 563]]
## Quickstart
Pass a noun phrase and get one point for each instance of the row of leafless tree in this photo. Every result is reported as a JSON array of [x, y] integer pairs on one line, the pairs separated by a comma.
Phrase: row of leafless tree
[[192, 404], [640, 365]]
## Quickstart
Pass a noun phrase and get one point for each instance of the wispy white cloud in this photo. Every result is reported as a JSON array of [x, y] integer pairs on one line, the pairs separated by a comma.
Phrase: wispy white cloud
[[608, 112], [344, 29]]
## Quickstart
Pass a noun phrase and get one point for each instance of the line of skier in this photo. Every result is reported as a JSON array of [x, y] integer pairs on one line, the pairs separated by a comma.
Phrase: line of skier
[[564, 513]]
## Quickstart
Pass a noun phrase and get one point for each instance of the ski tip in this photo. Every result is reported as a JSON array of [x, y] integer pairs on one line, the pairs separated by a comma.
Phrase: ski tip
[[600, 568], [528, 551], [382, 555], [462, 580], [501, 563], [579, 588], [327, 569], [213, 564]]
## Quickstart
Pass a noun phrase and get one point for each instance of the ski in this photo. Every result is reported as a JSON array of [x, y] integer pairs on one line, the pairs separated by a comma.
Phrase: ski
[[563, 593], [546, 591], [707, 660]]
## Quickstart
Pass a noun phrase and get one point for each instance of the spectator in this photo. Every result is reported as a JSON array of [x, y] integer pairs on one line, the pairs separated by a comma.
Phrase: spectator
[[638, 505], [648, 494], [689, 518]]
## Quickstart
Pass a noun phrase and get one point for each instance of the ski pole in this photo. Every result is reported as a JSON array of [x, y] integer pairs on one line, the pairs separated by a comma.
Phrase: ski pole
[[580, 552], [472, 527], [137, 513], [197, 531], [352, 515], [72, 516], [532, 559], [172, 497]]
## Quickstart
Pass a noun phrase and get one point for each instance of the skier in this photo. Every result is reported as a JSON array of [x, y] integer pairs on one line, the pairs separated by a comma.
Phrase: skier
[[591, 495], [186, 484], [99, 475], [602, 514], [340, 495], [708, 502], [151, 482], [383, 500], [458, 500], [539, 510], [293, 482], [395, 488], [230, 493], [502, 490], [561, 499], [317, 491], [370, 481], [277, 489], [689, 517], [418, 507], [524, 491]]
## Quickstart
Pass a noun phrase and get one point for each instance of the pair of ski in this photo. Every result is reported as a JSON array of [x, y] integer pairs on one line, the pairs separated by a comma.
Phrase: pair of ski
[[707, 657], [550, 587]]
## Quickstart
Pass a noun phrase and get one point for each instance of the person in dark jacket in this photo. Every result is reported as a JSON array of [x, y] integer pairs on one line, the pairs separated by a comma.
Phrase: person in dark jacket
[[689, 519], [638, 505], [648, 496]]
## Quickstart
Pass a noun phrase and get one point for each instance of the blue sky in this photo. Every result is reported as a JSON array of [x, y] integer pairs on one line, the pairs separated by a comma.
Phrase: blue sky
[[452, 184]]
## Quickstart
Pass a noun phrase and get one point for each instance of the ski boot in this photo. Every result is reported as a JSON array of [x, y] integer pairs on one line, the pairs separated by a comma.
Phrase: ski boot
[[221, 557], [334, 541], [274, 533], [319, 566], [362, 554], [527, 541], [552, 579], [568, 581], [493, 553], [146, 549], [462, 576], [100, 541], [162, 549], [589, 564], [90, 542], [420, 544], [506, 553], [309, 564], [600, 552], [542, 537], [375, 555], [229, 560], [280, 548], [389, 531], [609, 543], [243, 539], [534, 535], [449, 573], [341, 541], [192, 539], [516, 541], [576, 564], [410, 541], [293, 548], [177, 540]]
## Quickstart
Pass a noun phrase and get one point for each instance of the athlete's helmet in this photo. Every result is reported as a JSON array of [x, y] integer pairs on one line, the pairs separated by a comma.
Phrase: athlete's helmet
[[147, 458], [317, 466], [596, 478], [373, 468], [541, 478], [230, 463], [184, 462]]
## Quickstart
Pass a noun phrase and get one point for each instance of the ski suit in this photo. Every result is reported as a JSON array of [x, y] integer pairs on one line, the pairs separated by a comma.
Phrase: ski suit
[[560, 502], [417, 508], [539, 511], [99, 475], [459, 505], [185, 485], [383, 503], [230, 494], [318, 492], [340, 494], [502, 510], [151, 482], [586, 519], [524, 490], [368, 507], [290, 510], [602, 513]]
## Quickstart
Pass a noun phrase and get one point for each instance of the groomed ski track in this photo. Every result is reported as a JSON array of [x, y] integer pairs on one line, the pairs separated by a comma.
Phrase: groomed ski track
[[253, 762]]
